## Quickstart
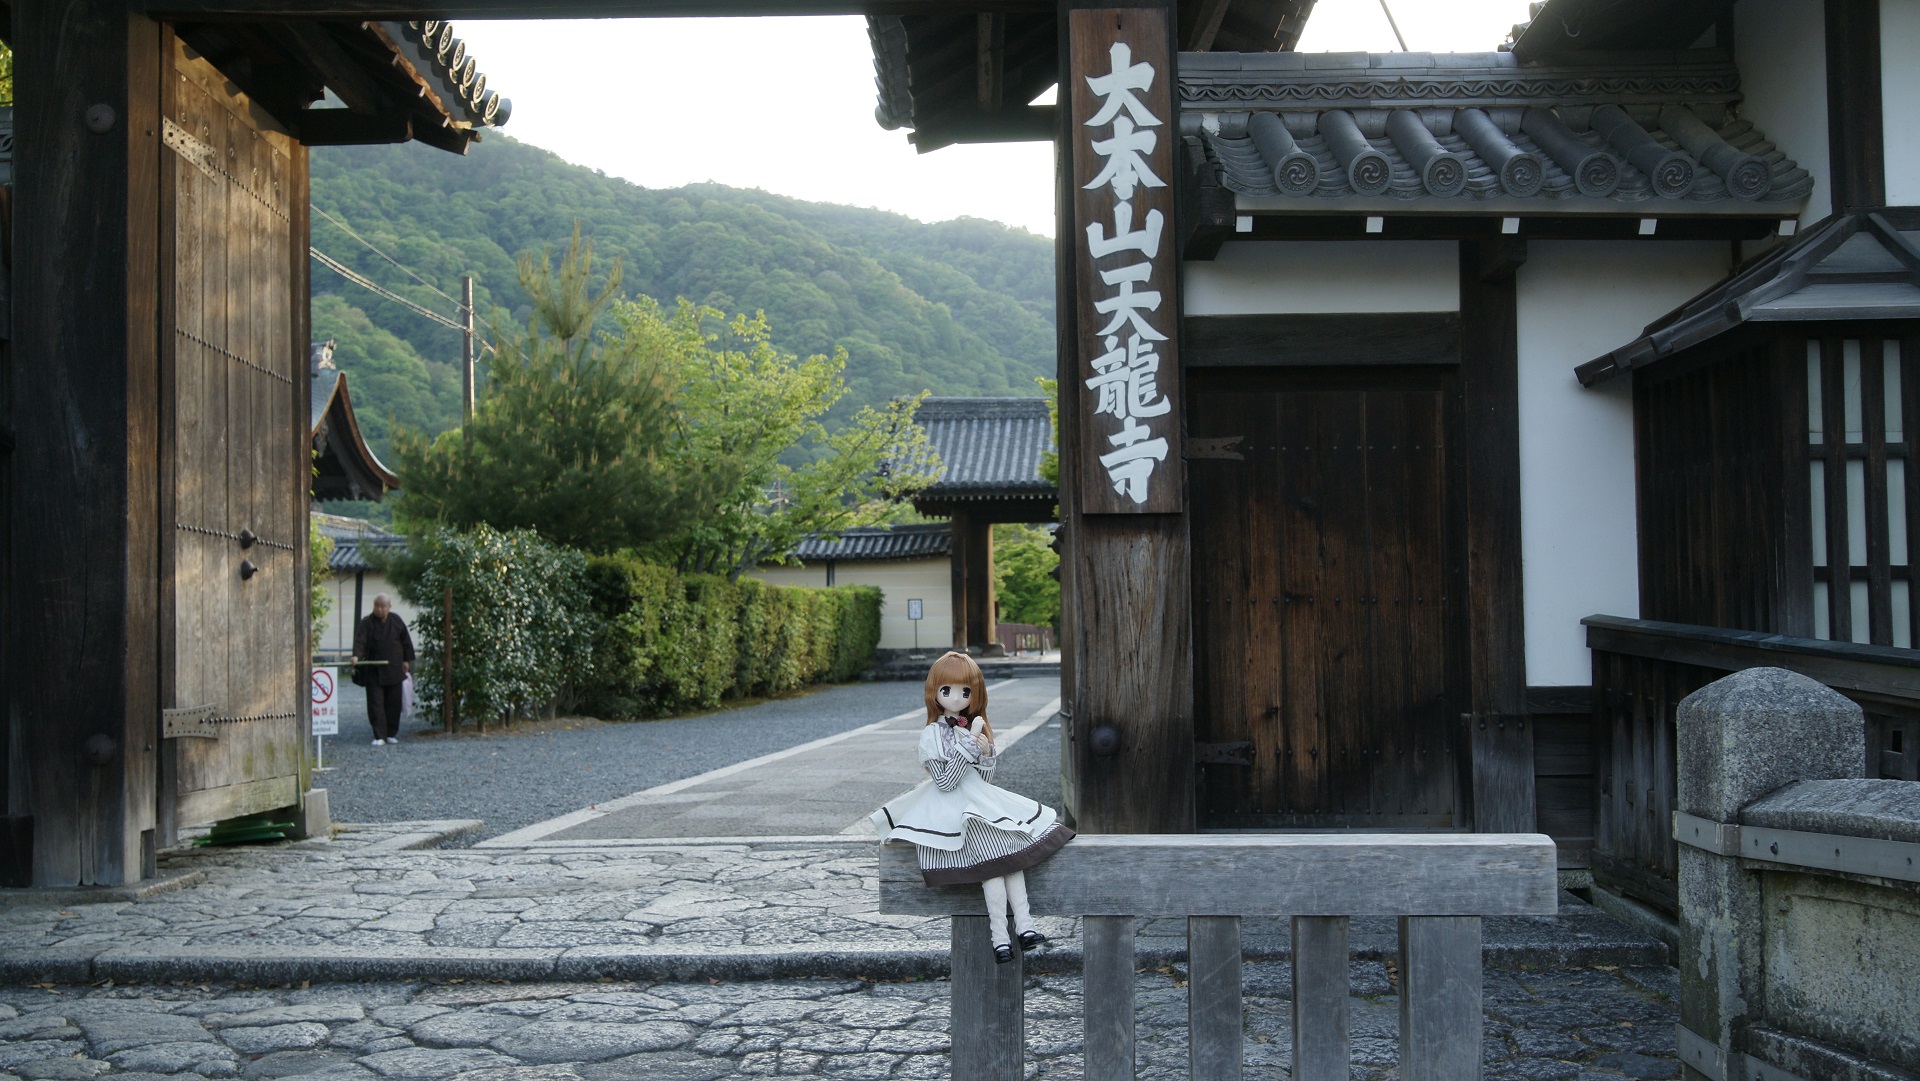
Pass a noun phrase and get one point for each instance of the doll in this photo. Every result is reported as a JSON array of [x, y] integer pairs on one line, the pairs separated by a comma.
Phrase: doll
[[967, 830]]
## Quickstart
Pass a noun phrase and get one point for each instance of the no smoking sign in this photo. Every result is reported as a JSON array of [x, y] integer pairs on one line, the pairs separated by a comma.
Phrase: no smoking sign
[[326, 708]]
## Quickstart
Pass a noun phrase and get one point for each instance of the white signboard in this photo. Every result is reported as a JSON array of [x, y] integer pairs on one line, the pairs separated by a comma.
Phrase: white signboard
[[915, 609], [326, 702]]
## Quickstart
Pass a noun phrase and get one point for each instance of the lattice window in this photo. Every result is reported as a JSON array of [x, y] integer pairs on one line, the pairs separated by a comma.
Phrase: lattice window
[[1861, 407]]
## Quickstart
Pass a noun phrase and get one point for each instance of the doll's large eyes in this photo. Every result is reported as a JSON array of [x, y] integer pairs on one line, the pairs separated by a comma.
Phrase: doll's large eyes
[[966, 692]]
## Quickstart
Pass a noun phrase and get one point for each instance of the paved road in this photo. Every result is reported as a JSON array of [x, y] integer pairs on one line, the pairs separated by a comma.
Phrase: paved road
[[823, 788], [512, 781], [1574, 1025]]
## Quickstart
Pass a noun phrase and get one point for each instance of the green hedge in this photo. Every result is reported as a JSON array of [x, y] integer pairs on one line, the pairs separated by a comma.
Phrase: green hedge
[[666, 642]]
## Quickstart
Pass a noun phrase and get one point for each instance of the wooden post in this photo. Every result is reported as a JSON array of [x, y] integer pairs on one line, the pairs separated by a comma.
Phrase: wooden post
[[1440, 1021], [1856, 144], [1107, 979], [446, 665], [1501, 740], [84, 589], [1124, 576], [962, 529], [1215, 1015], [1321, 988], [988, 1016], [466, 356], [982, 636]]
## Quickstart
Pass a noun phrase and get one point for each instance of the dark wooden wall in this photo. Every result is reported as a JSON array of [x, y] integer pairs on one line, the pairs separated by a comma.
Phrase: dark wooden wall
[[1720, 452], [85, 576], [1563, 771]]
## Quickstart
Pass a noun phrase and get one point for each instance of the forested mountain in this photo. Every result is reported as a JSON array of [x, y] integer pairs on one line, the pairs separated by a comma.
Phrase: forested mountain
[[958, 307]]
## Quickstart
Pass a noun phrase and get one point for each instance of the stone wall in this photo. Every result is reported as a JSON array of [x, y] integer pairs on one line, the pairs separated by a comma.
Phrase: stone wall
[[1799, 889]]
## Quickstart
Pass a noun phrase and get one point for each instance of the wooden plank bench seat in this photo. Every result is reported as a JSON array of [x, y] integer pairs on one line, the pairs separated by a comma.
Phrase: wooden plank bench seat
[[1439, 885]]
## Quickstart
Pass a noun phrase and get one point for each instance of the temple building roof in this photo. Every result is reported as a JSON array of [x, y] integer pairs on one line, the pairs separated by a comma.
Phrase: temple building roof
[[1859, 266], [1479, 133], [990, 448], [920, 541], [345, 467]]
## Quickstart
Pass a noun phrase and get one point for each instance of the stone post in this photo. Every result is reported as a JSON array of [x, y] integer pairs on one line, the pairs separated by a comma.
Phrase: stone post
[[1738, 739]]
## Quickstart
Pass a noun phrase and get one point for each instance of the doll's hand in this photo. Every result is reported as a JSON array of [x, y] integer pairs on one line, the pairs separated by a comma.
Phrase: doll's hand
[[977, 725]]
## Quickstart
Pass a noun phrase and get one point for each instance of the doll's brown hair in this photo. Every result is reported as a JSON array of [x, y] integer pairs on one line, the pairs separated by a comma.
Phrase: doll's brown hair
[[957, 669]]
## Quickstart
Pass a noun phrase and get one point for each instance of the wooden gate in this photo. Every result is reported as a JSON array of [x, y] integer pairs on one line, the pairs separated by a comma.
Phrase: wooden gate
[[1329, 633], [233, 454]]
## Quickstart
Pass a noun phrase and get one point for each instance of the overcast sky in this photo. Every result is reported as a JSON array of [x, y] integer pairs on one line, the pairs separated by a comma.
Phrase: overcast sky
[[787, 104]]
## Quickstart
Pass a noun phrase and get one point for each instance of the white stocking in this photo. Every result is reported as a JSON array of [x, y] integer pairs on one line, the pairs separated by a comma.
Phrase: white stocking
[[996, 891], [1017, 896]]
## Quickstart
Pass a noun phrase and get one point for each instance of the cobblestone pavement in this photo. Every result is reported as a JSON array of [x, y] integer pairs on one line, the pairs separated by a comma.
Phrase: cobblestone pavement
[[1563, 1025], [362, 907]]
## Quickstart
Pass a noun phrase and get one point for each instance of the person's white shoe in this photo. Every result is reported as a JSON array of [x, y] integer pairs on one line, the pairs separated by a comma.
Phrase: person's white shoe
[[378, 742], [395, 740]]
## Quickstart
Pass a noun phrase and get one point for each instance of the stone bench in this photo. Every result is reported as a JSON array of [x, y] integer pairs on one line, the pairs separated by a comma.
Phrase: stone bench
[[1439, 885]]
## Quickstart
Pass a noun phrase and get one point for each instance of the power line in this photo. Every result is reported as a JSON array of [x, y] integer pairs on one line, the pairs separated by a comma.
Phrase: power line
[[341, 269], [369, 246], [348, 273]]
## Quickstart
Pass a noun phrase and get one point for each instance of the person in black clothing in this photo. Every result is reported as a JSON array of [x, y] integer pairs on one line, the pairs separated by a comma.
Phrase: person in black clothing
[[383, 636]]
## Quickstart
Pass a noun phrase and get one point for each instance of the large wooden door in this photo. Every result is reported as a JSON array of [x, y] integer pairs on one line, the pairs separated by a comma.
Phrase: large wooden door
[[1329, 628], [233, 608]]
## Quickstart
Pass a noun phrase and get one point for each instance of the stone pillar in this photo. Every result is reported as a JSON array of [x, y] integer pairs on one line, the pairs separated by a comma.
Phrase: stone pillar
[[1738, 739]]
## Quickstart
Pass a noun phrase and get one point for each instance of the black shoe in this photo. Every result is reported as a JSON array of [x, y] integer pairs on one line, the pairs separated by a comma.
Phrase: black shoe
[[1030, 939], [1002, 954]]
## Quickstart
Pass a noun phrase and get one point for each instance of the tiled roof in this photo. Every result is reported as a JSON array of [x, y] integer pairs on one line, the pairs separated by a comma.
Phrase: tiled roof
[[353, 555], [1478, 133], [1851, 267], [988, 447], [878, 543]]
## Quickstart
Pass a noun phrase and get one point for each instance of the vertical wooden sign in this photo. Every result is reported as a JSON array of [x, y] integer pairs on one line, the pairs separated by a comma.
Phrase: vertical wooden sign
[[1121, 71]]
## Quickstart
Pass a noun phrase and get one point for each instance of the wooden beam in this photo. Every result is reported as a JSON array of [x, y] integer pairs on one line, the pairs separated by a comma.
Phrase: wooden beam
[[1016, 124], [1260, 874], [339, 71], [401, 10], [1857, 140], [990, 60], [1205, 25], [1222, 341], [339, 127], [1501, 741], [85, 573]]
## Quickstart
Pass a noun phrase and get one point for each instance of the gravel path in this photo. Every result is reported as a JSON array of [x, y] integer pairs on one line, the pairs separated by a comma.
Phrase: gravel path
[[1577, 1025], [514, 779]]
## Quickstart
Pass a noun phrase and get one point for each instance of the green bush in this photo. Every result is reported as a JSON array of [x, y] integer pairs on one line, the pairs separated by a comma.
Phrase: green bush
[[665, 642], [521, 622]]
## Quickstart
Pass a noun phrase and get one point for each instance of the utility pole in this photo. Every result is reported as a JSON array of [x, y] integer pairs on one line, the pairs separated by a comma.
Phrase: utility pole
[[466, 360]]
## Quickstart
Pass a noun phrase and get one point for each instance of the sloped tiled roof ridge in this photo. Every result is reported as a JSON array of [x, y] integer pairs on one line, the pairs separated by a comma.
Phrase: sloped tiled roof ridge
[[919, 541], [987, 446], [1476, 132]]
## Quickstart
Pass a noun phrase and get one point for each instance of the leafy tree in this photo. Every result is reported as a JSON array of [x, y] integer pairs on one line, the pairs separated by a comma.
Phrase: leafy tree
[[748, 430], [1023, 566], [6, 75], [319, 600], [569, 440], [1050, 460]]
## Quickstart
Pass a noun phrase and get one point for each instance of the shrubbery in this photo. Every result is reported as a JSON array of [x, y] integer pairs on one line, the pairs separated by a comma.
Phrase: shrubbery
[[522, 624], [666, 641]]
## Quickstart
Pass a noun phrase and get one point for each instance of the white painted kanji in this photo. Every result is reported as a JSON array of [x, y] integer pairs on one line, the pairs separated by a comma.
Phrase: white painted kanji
[[1125, 378]]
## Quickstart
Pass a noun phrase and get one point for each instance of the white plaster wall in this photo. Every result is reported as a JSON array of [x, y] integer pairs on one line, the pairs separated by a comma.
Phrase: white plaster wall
[[1577, 300], [1780, 47], [338, 633], [931, 580], [1900, 97], [1275, 278]]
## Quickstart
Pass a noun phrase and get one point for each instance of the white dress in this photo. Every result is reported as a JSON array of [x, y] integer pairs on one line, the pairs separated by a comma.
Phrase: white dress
[[967, 829]]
